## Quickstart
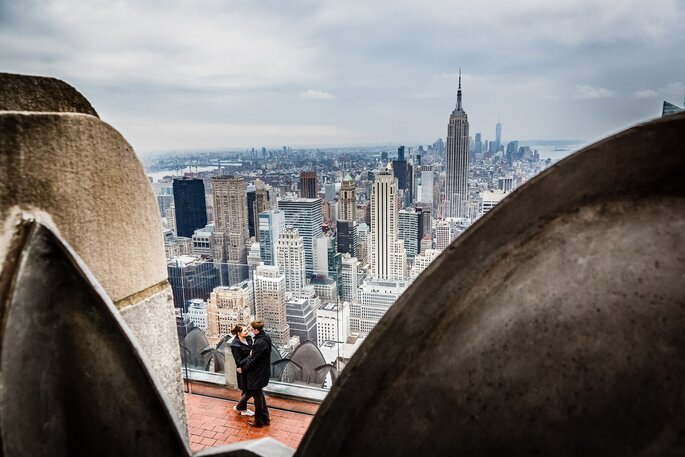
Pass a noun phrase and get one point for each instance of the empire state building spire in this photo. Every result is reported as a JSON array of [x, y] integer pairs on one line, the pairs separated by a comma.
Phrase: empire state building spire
[[459, 94], [456, 172]]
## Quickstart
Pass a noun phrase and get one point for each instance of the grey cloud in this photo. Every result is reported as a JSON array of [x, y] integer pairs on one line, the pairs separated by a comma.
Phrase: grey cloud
[[389, 65]]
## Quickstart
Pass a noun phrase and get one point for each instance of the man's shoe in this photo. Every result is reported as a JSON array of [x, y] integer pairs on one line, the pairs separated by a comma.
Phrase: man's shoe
[[247, 412], [255, 424], [267, 422]]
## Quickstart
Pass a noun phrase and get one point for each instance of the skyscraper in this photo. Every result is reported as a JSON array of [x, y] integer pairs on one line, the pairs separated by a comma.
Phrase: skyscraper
[[306, 215], [251, 216], [399, 169], [410, 230], [350, 277], [348, 200], [347, 237], [498, 136], [456, 186], [270, 226], [308, 184], [478, 147], [262, 202], [230, 227], [228, 306], [191, 277], [270, 303], [290, 259], [425, 187], [670, 108], [190, 209], [386, 253]]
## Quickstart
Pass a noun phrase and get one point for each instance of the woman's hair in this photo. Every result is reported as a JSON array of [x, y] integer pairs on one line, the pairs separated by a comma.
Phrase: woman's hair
[[237, 329]]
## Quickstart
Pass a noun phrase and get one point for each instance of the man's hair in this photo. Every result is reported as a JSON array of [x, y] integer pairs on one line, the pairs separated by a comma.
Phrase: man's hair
[[257, 325]]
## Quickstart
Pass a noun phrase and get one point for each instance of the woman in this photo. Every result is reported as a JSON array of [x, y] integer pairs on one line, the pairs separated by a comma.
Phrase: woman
[[241, 346]]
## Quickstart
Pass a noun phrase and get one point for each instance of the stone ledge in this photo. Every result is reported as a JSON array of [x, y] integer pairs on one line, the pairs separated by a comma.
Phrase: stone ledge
[[38, 93]]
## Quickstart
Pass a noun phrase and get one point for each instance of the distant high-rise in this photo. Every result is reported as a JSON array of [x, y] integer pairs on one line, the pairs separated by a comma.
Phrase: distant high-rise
[[308, 184], [190, 208], [270, 226], [399, 169], [347, 237], [306, 215], [387, 255], [498, 136], [270, 303], [230, 228], [410, 230], [326, 257], [350, 277], [191, 277], [347, 204], [329, 189], [425, 188], [512, 151], [301, 318], [262, 202], [332, 322], [456, 185], [374, 299], [478, 147], [251, 216], [444, 234], [228, 306], [290, 259], [670, 108]]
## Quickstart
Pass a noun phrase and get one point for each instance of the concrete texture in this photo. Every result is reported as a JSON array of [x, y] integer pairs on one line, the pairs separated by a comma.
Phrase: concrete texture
[[77, 175], [74, 379], [154, 323], [554, 326], [86, 176], [37, 93]]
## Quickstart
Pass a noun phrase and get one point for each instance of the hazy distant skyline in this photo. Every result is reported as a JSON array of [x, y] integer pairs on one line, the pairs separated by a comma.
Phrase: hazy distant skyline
[[181, 75]]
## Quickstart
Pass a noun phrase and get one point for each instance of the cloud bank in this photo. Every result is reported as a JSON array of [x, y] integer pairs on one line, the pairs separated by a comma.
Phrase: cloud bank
[[380, 71]]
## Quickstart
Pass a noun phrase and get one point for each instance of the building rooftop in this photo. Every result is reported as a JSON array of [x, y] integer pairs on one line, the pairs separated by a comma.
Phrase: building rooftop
[[185, 260], [213, 422]]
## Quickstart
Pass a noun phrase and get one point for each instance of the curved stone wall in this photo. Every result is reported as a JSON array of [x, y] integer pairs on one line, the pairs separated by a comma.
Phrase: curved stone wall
[[554, 326], [78, 175], [37, 93]]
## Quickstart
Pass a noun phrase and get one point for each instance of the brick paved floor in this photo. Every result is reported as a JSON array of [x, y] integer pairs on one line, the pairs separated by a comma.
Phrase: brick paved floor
[[213, 422]]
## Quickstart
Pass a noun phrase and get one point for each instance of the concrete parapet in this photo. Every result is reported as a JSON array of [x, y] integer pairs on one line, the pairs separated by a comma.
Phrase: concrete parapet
[[79, 176], [37, 93]]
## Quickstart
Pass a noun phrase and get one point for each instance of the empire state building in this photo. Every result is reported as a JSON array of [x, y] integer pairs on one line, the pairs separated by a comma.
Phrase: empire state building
[[456, 185]]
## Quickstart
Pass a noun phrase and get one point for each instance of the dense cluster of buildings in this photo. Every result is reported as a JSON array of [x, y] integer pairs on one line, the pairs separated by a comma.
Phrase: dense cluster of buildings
[[319, 244]]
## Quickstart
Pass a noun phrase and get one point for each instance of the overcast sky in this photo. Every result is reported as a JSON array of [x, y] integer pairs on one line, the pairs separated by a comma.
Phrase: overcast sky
[[184, 75]]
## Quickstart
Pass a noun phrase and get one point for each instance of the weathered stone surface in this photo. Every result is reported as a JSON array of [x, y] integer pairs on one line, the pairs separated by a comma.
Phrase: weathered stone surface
[[74, 380], [77, 175], [554, 326], [37, 93], [86, 176], [154, 323]]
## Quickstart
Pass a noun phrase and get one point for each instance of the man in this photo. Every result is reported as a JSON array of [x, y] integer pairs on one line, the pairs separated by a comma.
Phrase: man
[[257, 366]]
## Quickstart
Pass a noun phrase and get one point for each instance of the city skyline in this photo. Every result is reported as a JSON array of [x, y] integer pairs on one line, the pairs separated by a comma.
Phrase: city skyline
[[330, 74]]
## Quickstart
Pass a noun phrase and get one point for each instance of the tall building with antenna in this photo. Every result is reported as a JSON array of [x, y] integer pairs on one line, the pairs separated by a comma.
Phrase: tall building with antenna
[[498, 136], [456, 185]]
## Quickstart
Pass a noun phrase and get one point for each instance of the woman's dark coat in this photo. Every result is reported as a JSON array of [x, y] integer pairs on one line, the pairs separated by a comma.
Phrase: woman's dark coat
[[240, 352], [258, 364]]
